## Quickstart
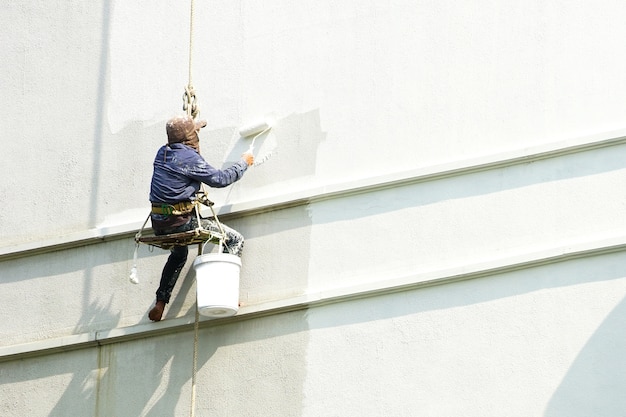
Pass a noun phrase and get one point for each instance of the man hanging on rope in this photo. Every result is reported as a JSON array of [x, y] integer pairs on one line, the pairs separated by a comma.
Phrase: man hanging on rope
[[179, 170]]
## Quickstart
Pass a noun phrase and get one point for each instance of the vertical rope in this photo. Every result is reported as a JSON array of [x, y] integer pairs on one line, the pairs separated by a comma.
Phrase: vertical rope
[[189, 97], [190, 41], [195, 363], [191, 110]]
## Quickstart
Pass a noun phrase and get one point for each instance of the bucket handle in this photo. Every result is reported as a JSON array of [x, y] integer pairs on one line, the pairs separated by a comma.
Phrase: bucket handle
[[220, 246]]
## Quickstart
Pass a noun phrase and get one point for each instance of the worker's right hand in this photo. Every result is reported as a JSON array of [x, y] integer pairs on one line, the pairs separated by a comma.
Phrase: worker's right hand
[[248, 157]]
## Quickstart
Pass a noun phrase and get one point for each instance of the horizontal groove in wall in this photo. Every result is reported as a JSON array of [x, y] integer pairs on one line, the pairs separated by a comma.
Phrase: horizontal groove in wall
[[598, 245], [328, 191]]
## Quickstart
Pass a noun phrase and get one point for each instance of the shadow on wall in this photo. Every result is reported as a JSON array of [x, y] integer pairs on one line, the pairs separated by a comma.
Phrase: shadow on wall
[[45, 377], [269, 376], [594, 384], [85, 383], [144, 378], [291, 146], [79, 288], [155, 374], [287, 152], [141, 378], [152, 377]]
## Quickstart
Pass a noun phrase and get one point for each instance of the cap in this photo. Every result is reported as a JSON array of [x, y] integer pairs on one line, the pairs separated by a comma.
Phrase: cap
[[183, 128]]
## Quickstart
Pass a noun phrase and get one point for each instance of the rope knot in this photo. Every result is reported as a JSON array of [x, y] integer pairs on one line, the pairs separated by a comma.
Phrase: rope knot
[[190, 102]]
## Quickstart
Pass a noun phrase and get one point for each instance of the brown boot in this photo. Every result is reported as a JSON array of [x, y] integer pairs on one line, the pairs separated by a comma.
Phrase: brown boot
[[157, 311]]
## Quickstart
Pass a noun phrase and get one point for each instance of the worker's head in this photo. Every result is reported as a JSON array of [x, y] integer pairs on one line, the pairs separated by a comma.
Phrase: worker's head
[[184, 129]]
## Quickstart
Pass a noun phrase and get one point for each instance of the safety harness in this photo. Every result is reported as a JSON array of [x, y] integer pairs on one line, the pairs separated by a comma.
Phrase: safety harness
[[199, 235]]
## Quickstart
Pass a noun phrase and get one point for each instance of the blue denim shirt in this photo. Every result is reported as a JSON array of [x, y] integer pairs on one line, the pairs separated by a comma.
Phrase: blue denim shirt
[[179, 170]]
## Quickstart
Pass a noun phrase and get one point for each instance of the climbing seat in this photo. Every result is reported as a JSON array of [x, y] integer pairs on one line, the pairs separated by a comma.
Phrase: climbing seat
[[197, 236], [191, 237]]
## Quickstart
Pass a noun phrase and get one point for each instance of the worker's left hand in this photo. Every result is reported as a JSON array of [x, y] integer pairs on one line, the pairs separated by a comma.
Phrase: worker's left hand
[[248, 157]]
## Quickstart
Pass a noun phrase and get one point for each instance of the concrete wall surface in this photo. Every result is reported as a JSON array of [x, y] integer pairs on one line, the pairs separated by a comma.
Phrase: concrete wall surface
[[434, 224]]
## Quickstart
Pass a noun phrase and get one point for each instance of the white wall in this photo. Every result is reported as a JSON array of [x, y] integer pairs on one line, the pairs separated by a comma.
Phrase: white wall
[[434, 228]]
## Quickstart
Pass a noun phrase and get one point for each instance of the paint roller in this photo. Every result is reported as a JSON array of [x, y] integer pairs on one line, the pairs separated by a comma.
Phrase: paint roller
[[255, 129]]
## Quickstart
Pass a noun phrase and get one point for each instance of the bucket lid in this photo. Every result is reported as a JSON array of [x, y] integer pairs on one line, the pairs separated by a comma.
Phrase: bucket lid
[[217, 257]]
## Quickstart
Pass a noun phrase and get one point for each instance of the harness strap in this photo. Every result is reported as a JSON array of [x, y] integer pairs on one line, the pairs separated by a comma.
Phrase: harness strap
[[184, 207]]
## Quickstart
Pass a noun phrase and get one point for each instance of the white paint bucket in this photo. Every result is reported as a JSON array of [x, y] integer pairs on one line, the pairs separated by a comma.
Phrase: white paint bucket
[[217, 284]]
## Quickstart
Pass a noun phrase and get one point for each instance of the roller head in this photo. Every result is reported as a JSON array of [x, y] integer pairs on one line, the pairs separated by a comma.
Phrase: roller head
[[254, 128]]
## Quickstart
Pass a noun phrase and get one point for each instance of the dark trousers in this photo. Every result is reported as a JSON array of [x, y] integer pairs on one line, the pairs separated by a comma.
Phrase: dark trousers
[[178, 254], [175, 263]]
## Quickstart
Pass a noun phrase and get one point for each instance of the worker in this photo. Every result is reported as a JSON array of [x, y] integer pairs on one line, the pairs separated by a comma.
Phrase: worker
[[179, 170]]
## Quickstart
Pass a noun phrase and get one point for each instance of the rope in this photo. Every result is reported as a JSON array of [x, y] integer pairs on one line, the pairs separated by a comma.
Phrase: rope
[[190, 39], [195, 363], [190, 103], [191, 107], [224, 236], [133, 271]]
